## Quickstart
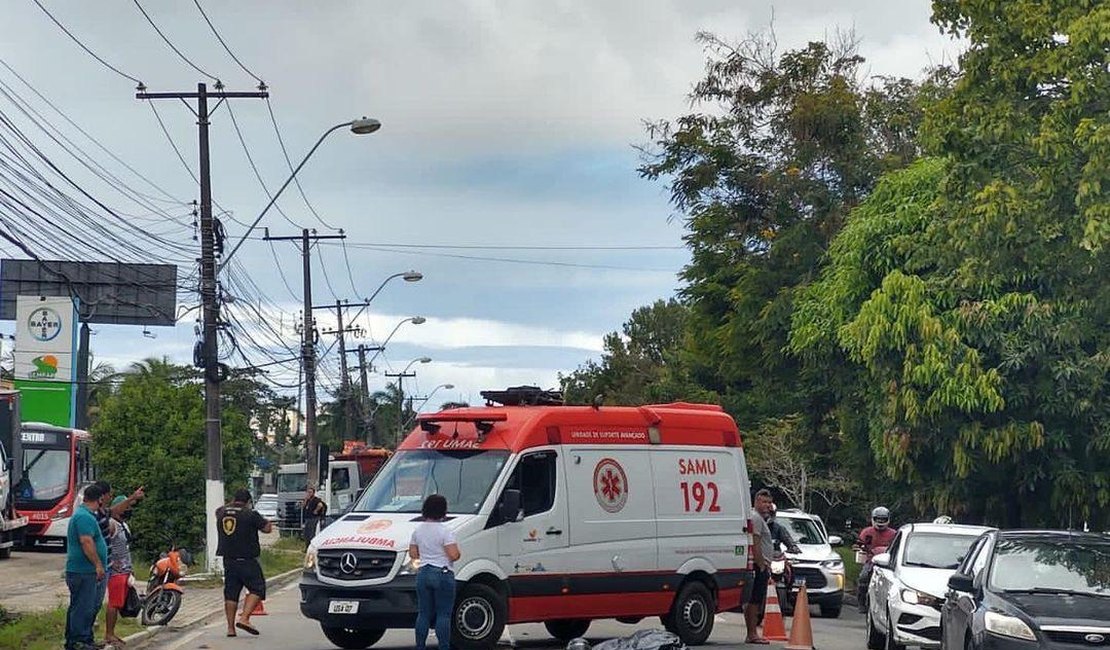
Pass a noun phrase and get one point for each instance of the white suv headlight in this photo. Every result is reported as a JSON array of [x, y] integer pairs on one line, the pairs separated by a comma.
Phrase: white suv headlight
[[1010, 626], [835, 566]]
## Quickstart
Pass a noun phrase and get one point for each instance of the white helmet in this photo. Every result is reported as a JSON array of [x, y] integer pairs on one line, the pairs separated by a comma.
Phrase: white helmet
[[880, 517]]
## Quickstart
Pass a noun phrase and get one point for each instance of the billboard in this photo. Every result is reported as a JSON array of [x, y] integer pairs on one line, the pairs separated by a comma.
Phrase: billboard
[[113, 293], [45, 351]]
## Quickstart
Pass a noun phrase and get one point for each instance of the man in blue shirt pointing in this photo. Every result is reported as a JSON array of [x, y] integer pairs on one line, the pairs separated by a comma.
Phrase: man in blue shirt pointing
[[86, 559]]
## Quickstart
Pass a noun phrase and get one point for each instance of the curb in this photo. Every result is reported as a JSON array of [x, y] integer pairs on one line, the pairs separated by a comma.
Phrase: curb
[[144, 638]]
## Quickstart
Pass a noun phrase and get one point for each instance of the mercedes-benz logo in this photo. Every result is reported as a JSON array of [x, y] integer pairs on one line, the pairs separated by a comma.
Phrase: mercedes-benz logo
[[1094, 639], [348, 563]]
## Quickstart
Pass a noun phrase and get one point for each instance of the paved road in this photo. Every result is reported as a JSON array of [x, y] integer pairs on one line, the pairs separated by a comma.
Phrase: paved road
[[32, 579], [285, 629]]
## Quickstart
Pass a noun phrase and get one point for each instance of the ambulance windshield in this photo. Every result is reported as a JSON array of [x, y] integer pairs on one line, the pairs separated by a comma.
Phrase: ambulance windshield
[[463, 477]]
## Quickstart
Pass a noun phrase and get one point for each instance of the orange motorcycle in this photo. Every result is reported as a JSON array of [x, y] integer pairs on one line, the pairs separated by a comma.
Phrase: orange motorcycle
[[163, 594]]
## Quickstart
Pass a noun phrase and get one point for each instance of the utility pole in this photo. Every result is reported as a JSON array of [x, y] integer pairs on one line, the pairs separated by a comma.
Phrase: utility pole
[[363, 369], [400, 377], [344, 378], [214, 371], [308, 348]]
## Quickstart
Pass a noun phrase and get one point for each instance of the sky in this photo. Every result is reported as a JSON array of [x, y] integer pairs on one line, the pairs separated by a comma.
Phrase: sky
[[505, 125]]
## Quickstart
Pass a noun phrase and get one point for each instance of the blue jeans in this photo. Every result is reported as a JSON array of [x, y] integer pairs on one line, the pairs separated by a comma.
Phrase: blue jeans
[[86, 593], [435, 597]]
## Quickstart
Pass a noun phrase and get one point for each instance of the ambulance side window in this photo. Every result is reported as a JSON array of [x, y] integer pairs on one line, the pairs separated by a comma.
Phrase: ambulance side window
[[535, 477]]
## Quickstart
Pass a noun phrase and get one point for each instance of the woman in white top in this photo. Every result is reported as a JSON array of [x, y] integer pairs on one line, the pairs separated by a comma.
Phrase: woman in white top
[[435, 546]]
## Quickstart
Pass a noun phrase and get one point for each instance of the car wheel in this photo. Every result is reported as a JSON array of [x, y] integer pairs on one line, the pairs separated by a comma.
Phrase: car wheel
[[875, 638], [830, 611], [692, 615], [352, 639], [480, 617], [891, 644], [567, 630]]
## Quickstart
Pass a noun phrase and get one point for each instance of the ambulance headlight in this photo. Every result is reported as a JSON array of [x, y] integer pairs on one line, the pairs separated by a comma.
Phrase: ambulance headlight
[[410, 567], [310, 560]]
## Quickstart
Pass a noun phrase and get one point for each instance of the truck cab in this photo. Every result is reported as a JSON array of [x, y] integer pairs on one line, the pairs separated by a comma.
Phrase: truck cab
[[339, 490]]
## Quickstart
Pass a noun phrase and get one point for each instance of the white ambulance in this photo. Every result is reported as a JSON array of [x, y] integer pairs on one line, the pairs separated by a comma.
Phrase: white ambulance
[[564, 515]]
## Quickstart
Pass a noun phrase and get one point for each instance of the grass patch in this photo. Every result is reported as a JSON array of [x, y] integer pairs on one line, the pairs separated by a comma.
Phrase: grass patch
[[275, 561], [289, 544], [851, 568], [46, 630]]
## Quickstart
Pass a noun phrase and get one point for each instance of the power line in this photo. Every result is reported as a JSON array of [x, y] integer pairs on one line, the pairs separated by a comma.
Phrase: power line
[[347, 262], [84, 47], [289, 162], [509, 247], [507, 260], [254, 167], [219, 38], [170, 43]]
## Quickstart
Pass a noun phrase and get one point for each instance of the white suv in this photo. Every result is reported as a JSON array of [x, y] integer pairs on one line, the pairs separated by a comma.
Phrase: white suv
[[818, 564]]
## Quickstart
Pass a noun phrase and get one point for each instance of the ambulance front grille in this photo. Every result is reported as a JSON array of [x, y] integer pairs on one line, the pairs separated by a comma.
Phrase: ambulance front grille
[[362, 564]]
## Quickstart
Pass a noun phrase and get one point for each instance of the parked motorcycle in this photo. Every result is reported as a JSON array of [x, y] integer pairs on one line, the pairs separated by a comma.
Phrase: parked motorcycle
[[163, 594]]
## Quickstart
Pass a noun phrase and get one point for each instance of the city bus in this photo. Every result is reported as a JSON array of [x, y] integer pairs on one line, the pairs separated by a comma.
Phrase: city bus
[[57, 465]]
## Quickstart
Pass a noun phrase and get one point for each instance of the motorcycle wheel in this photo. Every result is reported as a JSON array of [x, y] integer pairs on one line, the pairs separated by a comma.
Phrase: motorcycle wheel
[[160, 607]]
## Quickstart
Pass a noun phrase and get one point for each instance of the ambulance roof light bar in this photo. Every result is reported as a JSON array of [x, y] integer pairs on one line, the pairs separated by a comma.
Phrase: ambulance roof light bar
[[430, 423], [523, 396]]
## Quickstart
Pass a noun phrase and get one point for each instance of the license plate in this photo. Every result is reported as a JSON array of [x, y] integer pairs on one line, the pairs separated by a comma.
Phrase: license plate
[[343, 607], [798, 582]]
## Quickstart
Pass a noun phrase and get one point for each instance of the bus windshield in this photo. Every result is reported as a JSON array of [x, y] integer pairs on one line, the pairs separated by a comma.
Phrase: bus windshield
[[46, 475], [463, 477]]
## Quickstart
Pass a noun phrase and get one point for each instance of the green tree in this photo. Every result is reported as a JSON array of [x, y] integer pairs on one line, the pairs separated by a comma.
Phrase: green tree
[[764, 174], [151, 433], [640, 364]]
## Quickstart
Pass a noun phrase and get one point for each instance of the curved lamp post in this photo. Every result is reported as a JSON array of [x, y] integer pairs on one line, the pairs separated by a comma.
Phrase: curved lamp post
[[361, 126]]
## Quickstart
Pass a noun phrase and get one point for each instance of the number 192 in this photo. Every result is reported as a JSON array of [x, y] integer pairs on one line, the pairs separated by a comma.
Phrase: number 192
[[702, 496]]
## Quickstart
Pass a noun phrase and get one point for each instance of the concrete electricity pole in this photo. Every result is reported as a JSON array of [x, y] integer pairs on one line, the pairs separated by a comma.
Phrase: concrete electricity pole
[[308, 348], [214, 372]]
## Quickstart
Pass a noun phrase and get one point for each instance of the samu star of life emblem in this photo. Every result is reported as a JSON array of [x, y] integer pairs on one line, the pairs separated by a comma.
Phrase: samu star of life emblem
[[610, 485]]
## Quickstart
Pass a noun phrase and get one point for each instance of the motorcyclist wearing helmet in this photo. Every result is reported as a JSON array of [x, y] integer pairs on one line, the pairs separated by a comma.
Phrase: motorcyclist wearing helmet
[[874, 539], [779, 532]]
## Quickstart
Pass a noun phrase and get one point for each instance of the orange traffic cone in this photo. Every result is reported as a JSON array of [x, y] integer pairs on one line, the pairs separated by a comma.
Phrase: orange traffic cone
[[801, 631], [774, 627]]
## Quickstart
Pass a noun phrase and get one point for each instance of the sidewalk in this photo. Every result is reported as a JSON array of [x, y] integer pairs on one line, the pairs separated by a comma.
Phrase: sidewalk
[[199, 606]]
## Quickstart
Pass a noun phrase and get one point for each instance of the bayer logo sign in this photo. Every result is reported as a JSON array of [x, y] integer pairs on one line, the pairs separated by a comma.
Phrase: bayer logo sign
[[44, 324]]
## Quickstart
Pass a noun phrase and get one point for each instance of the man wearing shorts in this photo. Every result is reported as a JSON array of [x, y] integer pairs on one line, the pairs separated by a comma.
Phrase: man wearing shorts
[[763, 550], [119, 566], [238, 544]]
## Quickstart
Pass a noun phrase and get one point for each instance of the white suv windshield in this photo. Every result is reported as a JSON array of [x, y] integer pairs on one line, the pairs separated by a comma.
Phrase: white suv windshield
[[804, 531], [463, 477]]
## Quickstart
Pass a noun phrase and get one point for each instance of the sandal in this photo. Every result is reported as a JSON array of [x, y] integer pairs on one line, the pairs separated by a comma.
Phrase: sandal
[[758, 641], [248, 628]]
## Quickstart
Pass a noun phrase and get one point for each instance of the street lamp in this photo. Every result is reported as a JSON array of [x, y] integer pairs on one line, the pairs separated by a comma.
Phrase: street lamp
[[400, 377], [361, 126], [426, 400], [415, 320]]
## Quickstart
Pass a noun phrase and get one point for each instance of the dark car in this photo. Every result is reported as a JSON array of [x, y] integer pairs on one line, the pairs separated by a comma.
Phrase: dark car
[[1030, 589]]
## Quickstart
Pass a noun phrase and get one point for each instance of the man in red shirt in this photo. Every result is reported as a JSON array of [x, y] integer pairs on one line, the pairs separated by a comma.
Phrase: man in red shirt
[[874, 539]]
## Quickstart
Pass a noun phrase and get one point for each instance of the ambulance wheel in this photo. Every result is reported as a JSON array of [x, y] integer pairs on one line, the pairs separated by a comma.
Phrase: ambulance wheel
[[5, 552], [480, 618], [691, 617], [352, 639], [567, 629]]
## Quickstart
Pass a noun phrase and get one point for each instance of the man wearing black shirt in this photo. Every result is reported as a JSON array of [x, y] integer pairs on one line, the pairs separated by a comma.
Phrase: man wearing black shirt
[[311, 513], [238, 544]]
